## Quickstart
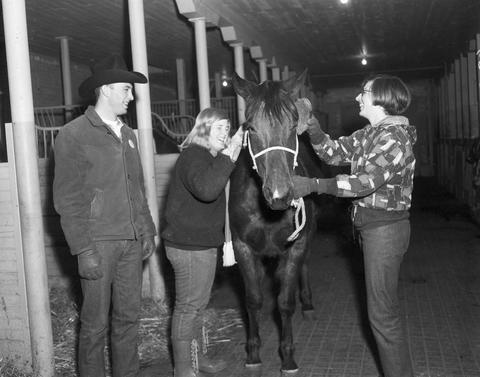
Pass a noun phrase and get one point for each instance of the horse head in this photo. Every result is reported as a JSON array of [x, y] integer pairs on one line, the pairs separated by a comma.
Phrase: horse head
[[271, 133]]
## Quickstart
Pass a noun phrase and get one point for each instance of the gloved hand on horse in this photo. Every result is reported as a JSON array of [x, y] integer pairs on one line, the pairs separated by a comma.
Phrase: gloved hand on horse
[[303, 186], [314, 130]]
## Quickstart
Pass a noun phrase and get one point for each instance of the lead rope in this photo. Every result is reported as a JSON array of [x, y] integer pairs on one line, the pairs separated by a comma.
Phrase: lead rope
[[194, 356], [299, 204], [228, 253]]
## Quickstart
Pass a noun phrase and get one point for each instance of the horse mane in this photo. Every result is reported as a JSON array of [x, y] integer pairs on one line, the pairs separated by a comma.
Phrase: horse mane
[[273, 101]]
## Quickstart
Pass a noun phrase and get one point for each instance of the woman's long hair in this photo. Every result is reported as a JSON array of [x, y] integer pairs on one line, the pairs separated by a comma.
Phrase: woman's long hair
[[201, 130]]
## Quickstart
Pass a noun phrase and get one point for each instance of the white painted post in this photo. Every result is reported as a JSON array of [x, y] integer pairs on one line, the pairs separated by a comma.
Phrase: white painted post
[[240, 69], [21, 100], [263, 69], [145, 136], [275, 73], [202, 61], [181, 86], [66, 76], [285, 74]]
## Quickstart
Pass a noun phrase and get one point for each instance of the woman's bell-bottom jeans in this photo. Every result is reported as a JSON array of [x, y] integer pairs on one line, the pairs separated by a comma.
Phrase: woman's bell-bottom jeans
[[194, 275], [120, 286], [383, 250]]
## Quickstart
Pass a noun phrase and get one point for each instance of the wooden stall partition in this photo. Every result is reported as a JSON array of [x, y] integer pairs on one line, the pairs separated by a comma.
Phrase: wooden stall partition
[[15, 341], [452, 118], [441, 128], [458, 98], [473, 105], [465, 97]]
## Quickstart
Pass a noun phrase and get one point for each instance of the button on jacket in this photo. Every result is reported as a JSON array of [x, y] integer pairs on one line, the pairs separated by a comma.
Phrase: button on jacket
[[98, 188]]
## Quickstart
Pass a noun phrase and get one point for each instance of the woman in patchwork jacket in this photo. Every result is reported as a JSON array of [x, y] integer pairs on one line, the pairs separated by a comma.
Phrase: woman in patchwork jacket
[[381, 183]]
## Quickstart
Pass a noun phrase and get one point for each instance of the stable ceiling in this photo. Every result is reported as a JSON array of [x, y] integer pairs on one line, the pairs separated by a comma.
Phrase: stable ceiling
[[325, 36]]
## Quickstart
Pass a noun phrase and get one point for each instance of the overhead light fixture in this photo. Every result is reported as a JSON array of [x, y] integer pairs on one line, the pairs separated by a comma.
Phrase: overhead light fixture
[[344, 1], [364, 61], [224, 83]]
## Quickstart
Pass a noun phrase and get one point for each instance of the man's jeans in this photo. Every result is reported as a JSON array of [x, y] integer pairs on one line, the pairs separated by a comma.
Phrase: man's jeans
[[383, 250], [194, 275], [120, 285]]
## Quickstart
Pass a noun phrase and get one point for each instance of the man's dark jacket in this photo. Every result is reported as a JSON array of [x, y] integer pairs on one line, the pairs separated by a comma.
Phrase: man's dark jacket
[[98, 188]]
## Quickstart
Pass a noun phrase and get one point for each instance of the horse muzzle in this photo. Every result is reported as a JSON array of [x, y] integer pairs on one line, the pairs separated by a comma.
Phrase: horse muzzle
[[277, 200]]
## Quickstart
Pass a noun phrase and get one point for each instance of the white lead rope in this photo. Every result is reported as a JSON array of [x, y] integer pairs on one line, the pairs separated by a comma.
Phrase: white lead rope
[[299, 204]]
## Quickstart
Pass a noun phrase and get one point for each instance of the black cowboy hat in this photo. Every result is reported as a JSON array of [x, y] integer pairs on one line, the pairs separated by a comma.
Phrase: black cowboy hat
[[107, 71]]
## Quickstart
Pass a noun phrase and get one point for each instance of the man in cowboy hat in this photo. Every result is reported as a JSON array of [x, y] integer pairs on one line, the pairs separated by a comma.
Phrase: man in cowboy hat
[[99, 193]]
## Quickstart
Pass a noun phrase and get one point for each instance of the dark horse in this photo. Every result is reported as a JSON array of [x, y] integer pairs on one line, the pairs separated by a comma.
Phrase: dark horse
[[261, 216]]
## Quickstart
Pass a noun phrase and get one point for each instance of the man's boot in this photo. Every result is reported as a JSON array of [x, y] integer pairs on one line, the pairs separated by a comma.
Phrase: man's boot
[[182, 358]]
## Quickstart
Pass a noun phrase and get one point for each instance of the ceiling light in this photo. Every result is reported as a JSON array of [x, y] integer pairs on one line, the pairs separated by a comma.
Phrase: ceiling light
[[224, 83], [364, 61], [344, 1]]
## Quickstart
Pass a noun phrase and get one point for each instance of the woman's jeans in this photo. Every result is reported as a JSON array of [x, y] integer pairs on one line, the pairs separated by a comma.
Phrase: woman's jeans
[[194, 275], [383, 250], [121, 285]]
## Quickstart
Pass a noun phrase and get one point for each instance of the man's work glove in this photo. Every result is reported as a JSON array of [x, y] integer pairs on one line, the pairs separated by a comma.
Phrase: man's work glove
[[148, 247], [90, 265], [303, 186], [315, 131]]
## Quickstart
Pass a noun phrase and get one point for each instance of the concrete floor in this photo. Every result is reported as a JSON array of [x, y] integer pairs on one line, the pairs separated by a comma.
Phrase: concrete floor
[[439, 291]]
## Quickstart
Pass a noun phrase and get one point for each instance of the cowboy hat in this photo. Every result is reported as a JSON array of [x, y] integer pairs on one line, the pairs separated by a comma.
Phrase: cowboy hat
[[107, 71]]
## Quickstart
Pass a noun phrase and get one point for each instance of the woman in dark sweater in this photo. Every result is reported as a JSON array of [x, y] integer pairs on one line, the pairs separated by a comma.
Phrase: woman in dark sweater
[[194, 230]]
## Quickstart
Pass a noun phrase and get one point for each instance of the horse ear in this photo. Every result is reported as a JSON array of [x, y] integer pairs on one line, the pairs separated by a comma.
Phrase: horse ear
[[294, 83], [242, 87]]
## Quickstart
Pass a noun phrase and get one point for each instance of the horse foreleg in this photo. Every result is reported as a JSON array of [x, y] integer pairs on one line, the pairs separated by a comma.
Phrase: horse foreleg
[[287, 274], [252, 273], [306, 293]]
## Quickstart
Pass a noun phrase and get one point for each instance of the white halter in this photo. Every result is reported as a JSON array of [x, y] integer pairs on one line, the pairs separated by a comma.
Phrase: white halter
[[246, 142], [297, 203]]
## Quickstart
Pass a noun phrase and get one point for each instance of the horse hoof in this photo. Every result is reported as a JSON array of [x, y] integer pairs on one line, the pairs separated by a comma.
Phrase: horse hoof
[[309, 315], [288, 372], [253, 366]]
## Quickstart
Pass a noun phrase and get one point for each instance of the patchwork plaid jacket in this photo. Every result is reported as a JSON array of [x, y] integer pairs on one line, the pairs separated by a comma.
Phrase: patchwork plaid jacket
[[382, 163]]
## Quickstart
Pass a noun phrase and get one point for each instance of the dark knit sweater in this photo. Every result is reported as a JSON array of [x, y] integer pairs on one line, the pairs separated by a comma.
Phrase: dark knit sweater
[[195, 212]]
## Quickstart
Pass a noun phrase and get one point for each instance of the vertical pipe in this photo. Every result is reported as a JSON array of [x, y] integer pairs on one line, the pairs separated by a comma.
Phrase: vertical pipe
[[21, 100], [66, 76], [145, 136], [240, 69], [218, 85], [202, 61], [263, 69], [181, 85]]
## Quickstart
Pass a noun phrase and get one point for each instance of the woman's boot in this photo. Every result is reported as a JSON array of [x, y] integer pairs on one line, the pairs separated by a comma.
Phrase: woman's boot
[[206, 364], [182, 359]]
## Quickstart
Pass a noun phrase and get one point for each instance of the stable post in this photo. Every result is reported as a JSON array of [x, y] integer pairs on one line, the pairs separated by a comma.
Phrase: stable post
[[21, 100], [240, 70], [202, 61], [66, 76], [145, 135]]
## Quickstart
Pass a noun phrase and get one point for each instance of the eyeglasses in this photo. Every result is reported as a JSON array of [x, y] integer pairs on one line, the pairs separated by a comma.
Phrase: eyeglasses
[[364, 91]]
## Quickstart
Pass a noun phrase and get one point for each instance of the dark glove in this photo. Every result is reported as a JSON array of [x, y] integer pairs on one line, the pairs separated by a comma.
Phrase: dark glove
[[315, 131], [90, 265], [148, 247], [303, 186]]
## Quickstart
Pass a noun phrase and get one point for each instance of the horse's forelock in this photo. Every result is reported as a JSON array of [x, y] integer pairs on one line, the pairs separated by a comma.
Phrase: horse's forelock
[[273, 101]]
